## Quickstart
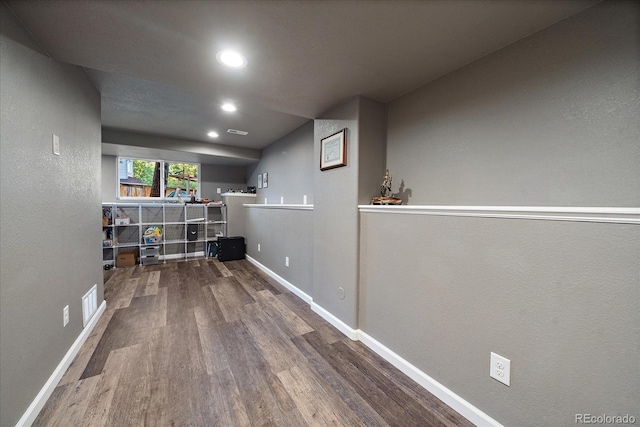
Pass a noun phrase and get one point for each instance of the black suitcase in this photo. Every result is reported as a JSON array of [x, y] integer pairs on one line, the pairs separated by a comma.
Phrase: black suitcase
[[231, 248]]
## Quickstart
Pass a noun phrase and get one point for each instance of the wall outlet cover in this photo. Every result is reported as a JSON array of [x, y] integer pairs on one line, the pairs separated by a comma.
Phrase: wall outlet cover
[[500, 369]]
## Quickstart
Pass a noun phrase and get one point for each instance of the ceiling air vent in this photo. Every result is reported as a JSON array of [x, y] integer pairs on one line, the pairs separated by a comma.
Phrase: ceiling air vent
[[237, 132]]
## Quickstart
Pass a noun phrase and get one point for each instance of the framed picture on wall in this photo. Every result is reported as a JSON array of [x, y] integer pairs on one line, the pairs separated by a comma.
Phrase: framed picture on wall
[[265, 180], [260, 180], [333, 150]]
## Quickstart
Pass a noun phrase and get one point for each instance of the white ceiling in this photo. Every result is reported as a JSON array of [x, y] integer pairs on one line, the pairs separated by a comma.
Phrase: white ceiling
[[154, 61]]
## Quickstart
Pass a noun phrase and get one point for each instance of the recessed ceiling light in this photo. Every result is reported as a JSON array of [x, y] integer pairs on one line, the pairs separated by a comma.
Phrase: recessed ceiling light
[[228, 107], [231, 58], [213, 134]]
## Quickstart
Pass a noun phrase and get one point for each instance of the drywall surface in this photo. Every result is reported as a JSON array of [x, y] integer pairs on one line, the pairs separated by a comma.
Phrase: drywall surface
[[282, 233], [335, 218], [551, 120], [559, 299], [109, 178], [372, 149], [289, 165], [225, 178], [236, 213], [49, 214]]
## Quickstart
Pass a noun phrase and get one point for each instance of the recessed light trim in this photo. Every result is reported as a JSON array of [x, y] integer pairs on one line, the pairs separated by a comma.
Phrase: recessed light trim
[[231, 58], [229, 107], [212, 134]]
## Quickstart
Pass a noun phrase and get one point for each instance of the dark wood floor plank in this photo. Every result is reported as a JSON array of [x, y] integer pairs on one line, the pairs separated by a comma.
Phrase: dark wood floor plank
[[336, 383], [316, 406], [205, 343], [231, 297], [230, 410], [373, 395], [262, 392], [413, 389], [304, 311], [273, 342], [286, 319]]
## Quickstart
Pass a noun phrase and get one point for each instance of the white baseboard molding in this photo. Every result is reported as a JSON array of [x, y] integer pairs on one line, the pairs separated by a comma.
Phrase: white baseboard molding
[[450, 398], [337, 323], [303, 296], [38, 403]]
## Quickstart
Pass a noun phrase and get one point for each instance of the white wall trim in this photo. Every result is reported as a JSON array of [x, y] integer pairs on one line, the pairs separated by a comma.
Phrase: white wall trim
[[38, 403], [274, 206], [239, 194], [302, 295], [549, 213], [450, 398], [337, 323]]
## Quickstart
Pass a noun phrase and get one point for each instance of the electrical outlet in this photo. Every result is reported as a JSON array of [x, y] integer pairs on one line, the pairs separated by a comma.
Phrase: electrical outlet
[[286, 261], [258, 247], [304, 199], [500, 369], [65, 316], [281, 200], [219, 190]]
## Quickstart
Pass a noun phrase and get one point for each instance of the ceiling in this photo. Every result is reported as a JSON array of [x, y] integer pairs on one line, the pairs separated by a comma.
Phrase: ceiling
[[155, 67]]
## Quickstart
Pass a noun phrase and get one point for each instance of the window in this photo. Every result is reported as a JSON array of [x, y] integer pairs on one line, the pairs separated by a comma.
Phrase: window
[[140, 178]]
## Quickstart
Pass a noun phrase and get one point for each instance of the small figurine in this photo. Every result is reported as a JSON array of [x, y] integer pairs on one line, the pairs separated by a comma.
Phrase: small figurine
[[385, 188], [386, 196]]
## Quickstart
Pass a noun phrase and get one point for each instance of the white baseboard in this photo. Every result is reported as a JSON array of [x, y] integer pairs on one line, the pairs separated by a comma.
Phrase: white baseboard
[[303, 296], [337, 323], [38, 403], [450, 398]]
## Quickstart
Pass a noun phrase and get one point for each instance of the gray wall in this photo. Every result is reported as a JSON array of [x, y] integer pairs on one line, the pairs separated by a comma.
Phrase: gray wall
[[282, 233], [49, 213], [337, 194], [335, 218], [559, 299], [212, 177], [109, 173], [289, 164], [551, 120]]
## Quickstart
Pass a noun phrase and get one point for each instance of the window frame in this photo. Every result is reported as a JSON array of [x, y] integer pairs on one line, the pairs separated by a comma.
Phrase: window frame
[[163, 189]]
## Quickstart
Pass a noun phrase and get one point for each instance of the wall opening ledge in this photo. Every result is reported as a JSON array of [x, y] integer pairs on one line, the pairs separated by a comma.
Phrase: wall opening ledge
[[548, 213]]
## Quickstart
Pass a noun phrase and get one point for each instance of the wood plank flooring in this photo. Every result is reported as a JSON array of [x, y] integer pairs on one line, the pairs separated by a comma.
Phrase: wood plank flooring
[[205, 343]]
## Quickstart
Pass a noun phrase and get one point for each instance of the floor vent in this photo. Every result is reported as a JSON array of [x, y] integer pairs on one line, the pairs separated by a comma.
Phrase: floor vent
[[89, 305]]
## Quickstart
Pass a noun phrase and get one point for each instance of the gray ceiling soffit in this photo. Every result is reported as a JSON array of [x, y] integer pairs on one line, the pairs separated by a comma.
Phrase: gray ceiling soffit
[[154, 61], [214, 153]]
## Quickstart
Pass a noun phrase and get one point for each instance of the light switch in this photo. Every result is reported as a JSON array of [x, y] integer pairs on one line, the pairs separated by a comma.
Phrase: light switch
[[56, 145]]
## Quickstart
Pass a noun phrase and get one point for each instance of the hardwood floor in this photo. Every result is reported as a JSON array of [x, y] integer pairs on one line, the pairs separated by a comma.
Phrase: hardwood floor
[[205, 343]]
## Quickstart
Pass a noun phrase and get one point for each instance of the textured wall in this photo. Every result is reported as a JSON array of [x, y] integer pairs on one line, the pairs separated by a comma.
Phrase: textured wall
[[213, 177], [559, 299], [282, 233], [49, 214], [335, 218], [109, 174], [288, 163], [550, 120]]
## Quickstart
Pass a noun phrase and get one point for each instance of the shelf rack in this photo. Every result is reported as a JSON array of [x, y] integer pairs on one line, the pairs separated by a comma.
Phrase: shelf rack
[[187, 230]]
